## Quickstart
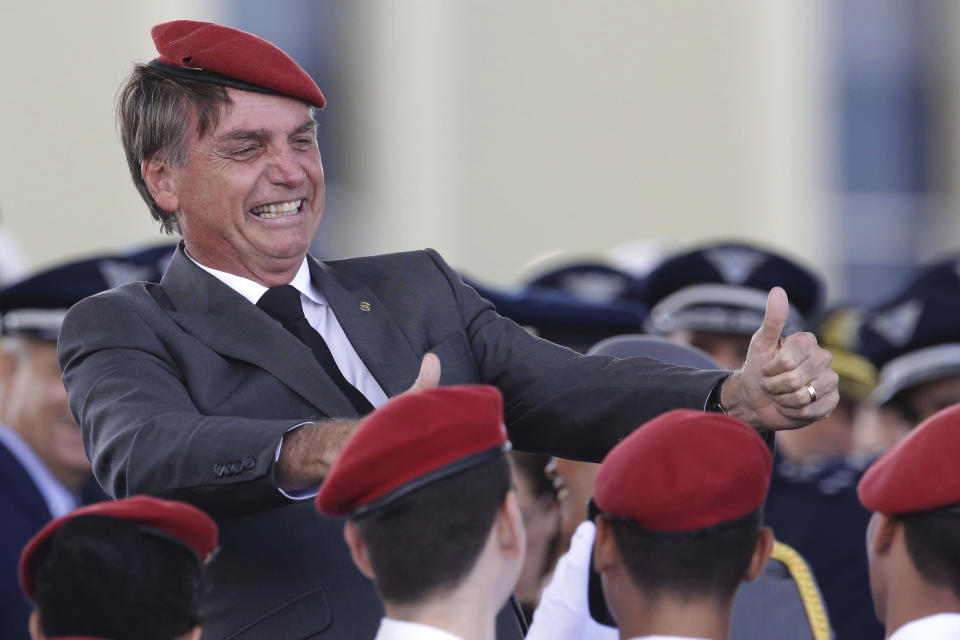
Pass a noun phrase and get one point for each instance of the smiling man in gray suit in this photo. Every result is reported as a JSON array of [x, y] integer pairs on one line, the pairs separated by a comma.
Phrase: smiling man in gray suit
[[234, 382]]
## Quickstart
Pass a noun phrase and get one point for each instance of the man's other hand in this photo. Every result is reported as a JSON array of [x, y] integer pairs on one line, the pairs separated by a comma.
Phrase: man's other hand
[[785, 383]]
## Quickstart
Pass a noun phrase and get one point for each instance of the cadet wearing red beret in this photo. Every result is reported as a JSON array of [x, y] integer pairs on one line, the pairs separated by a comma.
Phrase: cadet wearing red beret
[[677, 506], [235, 380], [126, 569], [913, 539], [426, 485]]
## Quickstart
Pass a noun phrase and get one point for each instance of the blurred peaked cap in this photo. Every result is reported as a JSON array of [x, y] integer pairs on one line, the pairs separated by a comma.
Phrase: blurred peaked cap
[[563, 318], [215, 54], [837, 331], [723, 288], [592, 281], [544, 307], [919, 473], [178, 522], [657, 347], [36, 305], [914, 337], [685, 470], [415, 439]]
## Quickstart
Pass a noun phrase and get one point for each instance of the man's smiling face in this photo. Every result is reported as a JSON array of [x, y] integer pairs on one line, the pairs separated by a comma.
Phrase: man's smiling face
[[250, 196]]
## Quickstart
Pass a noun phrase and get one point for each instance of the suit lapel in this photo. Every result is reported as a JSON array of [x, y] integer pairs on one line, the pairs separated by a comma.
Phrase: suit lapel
[[226, 322], [374, 335]]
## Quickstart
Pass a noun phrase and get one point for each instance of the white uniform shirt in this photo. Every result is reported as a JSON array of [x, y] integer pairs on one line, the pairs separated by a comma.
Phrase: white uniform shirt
[[59, 499], [564, 612], [391, 629], [942, 626]]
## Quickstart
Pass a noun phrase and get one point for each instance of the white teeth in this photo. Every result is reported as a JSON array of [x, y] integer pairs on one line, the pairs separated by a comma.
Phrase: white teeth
[[276, 210]]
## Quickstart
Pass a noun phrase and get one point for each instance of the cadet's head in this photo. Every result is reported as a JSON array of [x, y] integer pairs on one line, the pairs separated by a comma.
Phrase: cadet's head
[[914, 535], [129, 569], [426, 483], [220, 140], [678, 510]]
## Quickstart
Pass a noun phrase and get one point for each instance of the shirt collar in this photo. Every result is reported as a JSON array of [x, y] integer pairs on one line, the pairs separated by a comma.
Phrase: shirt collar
[[252, 290], [941, 625], [392, 629]]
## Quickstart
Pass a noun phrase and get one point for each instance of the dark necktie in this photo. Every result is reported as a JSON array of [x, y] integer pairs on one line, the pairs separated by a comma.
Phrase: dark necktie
[[283, 304]]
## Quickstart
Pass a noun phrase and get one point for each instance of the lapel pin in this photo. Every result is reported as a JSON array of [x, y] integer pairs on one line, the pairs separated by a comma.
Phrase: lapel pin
[[365, 306]]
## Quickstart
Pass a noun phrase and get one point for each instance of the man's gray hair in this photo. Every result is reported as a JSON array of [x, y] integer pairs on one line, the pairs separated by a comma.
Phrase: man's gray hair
[[154, 113]]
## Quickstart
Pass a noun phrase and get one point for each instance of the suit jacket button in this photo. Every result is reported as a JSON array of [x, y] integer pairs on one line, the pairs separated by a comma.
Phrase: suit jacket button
[[218, 470], [235, 467], [248, 463]]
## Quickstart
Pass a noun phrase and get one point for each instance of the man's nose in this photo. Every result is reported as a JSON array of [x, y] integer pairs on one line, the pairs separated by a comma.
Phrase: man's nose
[[285, 168]]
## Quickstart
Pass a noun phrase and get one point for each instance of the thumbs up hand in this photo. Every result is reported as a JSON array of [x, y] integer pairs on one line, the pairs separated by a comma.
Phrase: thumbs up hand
[[785, 383]]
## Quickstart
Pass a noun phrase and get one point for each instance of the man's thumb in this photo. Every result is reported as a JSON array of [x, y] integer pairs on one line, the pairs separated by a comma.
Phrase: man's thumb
[[429, 376], [774, 319]]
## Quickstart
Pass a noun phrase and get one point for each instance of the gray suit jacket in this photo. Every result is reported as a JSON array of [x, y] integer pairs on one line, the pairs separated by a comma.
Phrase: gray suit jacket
[[184, 389]]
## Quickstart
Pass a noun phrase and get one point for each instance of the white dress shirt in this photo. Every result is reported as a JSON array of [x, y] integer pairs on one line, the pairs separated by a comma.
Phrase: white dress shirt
[[59, 499], [321, 317], [942, 626], [391, 629]]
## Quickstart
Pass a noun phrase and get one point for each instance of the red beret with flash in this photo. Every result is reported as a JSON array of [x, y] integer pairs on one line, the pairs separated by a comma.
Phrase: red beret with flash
[[215, 54], [919, 473], [685, 470], [177, 521], [413, 440]]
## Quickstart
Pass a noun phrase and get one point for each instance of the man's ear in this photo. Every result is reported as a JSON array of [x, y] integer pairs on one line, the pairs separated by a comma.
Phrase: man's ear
[[159, 181], [358, 550], [36, 629], [761, 553], [508, 527], [606, 553], [884, 532]]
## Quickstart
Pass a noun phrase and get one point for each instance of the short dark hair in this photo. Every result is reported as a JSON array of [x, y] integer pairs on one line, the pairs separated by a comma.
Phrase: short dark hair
[[154, 112], [105, 577], [709, 563], [428, 541], [933, 542]]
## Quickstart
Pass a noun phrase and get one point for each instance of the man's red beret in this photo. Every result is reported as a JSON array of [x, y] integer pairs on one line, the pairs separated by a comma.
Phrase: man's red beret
[[685, 470], [221, 55], [919, 473], [178, 521], [413, 440]]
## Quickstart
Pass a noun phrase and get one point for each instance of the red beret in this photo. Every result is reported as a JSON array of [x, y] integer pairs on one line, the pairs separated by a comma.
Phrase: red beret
[[685, 470], [181, 521], [413, 440], [919, 472], [221, 55]]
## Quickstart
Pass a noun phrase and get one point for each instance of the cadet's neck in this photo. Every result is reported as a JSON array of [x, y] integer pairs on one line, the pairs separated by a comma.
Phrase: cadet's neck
[[669, 616]]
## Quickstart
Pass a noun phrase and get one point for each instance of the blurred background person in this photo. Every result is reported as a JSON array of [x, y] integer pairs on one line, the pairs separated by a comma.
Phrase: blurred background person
[[540, 509], [913, 337], [128, 569], [44, 470], [713, 297], [814, 482]]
